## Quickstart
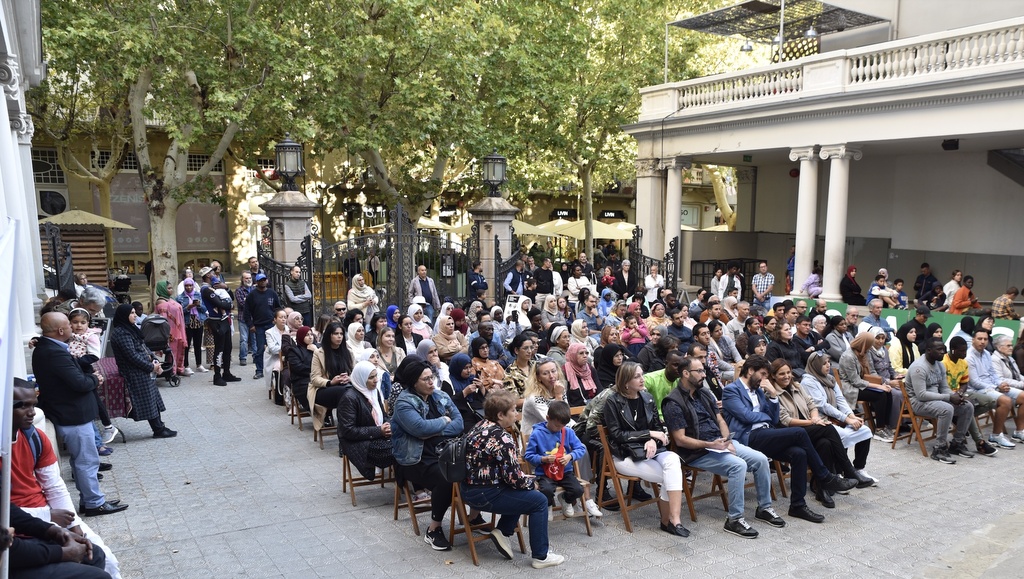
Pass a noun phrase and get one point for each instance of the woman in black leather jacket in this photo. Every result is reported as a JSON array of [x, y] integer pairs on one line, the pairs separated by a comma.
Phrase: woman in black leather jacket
[[363, 433], [639, 444]]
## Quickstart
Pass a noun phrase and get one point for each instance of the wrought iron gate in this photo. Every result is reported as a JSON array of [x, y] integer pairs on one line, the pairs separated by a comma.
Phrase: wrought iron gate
[[59, 274], [667, 266], [503, 267], [388, 261]]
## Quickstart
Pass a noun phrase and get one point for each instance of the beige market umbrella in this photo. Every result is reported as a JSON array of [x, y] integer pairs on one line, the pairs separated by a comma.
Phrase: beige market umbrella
[[421, 223], [577, 230], [555, 223], [79, 217], [521, 227]]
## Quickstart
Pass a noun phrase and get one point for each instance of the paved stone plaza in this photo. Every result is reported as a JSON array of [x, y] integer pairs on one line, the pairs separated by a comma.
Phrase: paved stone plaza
[[242, 493]]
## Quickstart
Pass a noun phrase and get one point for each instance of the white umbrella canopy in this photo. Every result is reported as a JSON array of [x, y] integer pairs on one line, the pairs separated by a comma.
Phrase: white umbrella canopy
[[521, 227], [421, 223], [549, 225], [577, 230]]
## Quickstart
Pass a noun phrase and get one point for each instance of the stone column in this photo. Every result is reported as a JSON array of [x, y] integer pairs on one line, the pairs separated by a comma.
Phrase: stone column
[[650, 209], [493, 217], [806, 213], [835, 221], [673, 211], [289, 213]]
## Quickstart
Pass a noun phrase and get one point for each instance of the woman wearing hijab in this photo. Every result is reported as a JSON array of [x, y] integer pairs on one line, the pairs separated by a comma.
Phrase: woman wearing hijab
[[355, 339], [300, 363], [171, 310], [384, 384], [467, 390], [580, 335], [903, 351], [420, 326], [446, 310], [935, 331], [608, 364], [362, 297], [363, 434], [449, 341], [137, 367], [854, 368], [472, 317], [428, 351], [459, 317], [820, 385], [194, 311], [549, 314], [657, 317], [392, 315], [729, 307], [850, 289], [329, 374], [757, 345], [579, 376], [559, 343]]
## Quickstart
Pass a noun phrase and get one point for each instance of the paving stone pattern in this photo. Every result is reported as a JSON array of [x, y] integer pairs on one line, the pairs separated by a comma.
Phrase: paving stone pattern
[[243, 493]]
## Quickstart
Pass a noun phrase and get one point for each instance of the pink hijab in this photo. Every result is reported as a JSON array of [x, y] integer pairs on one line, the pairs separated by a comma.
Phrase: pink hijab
[[576, 373]]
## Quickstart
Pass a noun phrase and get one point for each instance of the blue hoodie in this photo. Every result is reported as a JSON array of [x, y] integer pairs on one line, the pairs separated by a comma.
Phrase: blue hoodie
[[606, 304], [544, 442]]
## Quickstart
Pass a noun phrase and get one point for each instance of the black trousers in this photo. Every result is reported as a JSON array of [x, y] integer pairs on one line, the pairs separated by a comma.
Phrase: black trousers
[[830, 449], [569, 482], [881, 405], [67, 570], [428, 476], [794, 446], [222, 344], [194, 339]]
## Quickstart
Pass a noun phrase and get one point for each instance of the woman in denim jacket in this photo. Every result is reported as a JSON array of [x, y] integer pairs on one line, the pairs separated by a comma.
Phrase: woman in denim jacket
[[423, 418]]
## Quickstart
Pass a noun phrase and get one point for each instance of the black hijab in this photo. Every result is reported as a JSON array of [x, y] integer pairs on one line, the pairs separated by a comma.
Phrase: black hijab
[[410, 370], [606, 369], [122, 320], [908, 349]]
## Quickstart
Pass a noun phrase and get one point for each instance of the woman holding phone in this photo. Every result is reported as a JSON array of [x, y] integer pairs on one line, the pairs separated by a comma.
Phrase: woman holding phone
[[329, 374]]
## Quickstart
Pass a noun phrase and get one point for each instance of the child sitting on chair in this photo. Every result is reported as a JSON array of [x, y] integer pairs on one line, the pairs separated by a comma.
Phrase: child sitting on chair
[[551, 450]]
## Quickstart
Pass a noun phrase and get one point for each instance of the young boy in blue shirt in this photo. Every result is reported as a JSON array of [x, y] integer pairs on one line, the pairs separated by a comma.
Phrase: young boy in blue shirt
[[543, 449], [901, 296]]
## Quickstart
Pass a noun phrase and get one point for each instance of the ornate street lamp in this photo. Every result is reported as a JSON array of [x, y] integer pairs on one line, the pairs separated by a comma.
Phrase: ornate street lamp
[[288, 155], [494, 172]]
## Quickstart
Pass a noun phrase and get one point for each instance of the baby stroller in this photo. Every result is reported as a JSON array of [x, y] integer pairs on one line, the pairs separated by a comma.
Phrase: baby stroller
[[121, 286], [156, 332]]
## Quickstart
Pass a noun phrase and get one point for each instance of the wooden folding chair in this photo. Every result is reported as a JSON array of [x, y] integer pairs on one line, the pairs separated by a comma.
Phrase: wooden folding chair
[[690, 481], [349, 482], [529, 469], [916, 420], [297, 412], [466, 528], [404, 500], [320, 433], [608, 471]]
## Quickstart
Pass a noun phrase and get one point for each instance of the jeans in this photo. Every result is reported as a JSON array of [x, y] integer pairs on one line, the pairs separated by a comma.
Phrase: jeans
[[428, 310], [246, 341], [261, 344], [85, 462], [793, 446], [735, 467], [511, 504]]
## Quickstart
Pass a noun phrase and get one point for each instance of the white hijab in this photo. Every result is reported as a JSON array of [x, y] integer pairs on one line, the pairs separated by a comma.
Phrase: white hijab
[[359, 376], [419, 326], [446, 310], [355, 347]]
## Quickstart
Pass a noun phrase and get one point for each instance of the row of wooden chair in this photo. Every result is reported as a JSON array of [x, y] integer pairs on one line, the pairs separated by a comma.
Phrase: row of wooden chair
[[295, 410]]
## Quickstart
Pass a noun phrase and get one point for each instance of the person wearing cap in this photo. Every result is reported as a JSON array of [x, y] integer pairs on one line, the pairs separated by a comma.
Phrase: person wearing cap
[[423, 286], [260, 306], [218, 305]]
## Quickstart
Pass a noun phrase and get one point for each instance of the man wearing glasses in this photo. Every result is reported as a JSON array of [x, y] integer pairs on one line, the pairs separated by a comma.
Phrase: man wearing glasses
[[703, 440]]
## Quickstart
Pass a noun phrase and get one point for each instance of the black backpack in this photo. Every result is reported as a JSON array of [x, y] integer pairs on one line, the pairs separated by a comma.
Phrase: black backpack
[[451, 459]]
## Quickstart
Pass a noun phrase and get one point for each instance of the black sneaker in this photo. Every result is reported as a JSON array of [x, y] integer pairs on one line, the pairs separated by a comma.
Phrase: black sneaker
[[941, 454], [740, 528], [257, 376], [960, 449], [436, 540], [769, 516], [986, 449]]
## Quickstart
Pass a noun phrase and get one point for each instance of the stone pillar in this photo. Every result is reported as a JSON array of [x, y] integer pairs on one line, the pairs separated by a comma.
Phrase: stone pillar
[[650, 209], [673, 210], [493, 217], [289, 213], [806, 213], [835, 220]]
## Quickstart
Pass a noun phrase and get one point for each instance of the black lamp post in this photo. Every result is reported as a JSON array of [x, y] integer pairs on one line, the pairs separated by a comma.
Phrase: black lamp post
[[494, 172], [288, 156]]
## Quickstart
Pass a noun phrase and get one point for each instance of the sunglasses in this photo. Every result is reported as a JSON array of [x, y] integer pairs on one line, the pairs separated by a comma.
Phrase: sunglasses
[[339, 309]]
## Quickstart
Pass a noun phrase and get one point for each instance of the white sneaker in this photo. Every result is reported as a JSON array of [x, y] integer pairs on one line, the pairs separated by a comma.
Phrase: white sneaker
[[187, 372], [592, 509], [502, 543], [110, 433], [551, 514], [567, 509], [552, 560], [865, 474], [201, 368], [1001, 440], [1018, 435]]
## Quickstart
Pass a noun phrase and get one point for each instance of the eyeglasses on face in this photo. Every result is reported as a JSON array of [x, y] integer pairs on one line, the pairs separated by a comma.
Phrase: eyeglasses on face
[[339, 309]]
